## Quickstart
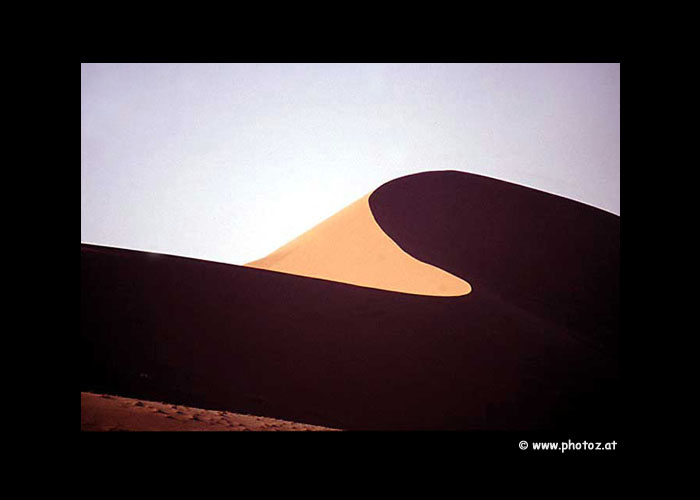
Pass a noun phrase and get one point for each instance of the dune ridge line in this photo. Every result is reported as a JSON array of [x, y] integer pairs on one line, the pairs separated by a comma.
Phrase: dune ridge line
[[351, 247]]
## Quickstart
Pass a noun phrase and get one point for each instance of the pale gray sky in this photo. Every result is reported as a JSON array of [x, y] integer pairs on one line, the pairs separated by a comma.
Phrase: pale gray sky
[[228, 162]]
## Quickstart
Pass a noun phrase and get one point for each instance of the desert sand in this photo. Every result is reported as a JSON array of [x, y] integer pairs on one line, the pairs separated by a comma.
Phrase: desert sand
[[350, 247], [105, 412], [534, 346]]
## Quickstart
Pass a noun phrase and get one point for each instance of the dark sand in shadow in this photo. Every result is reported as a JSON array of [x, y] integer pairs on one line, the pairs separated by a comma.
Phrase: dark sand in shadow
[[534, 346]]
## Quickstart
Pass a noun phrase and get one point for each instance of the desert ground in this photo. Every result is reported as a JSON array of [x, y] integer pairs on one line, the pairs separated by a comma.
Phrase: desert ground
[[104, 412]]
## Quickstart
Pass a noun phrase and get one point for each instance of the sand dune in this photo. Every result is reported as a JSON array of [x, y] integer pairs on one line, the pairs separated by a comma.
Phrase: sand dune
[[104, 412], [554, 258], [350, 247], [534, 346]]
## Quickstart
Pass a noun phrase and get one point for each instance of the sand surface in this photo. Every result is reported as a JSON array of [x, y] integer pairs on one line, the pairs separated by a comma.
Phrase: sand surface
[[350, 247], [104, 412], [536, 346]]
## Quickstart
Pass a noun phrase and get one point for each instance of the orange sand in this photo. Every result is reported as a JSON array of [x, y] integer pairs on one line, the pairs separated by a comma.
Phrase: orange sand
[[102, 412], [350, 247]]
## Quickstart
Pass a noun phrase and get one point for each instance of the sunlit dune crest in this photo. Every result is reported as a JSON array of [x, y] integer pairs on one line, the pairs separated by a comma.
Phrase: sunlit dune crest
[[350, 247]]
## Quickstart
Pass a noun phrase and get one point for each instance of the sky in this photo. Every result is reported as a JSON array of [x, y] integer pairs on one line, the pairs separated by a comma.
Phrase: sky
[[228, 162]]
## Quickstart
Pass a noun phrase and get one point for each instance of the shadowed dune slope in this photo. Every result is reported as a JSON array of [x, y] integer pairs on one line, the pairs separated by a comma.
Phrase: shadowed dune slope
[[350, 247], [555, 258], [247, 340]]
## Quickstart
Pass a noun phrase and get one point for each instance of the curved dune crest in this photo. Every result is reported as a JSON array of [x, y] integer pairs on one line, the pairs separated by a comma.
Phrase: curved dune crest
[[350, 247]]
